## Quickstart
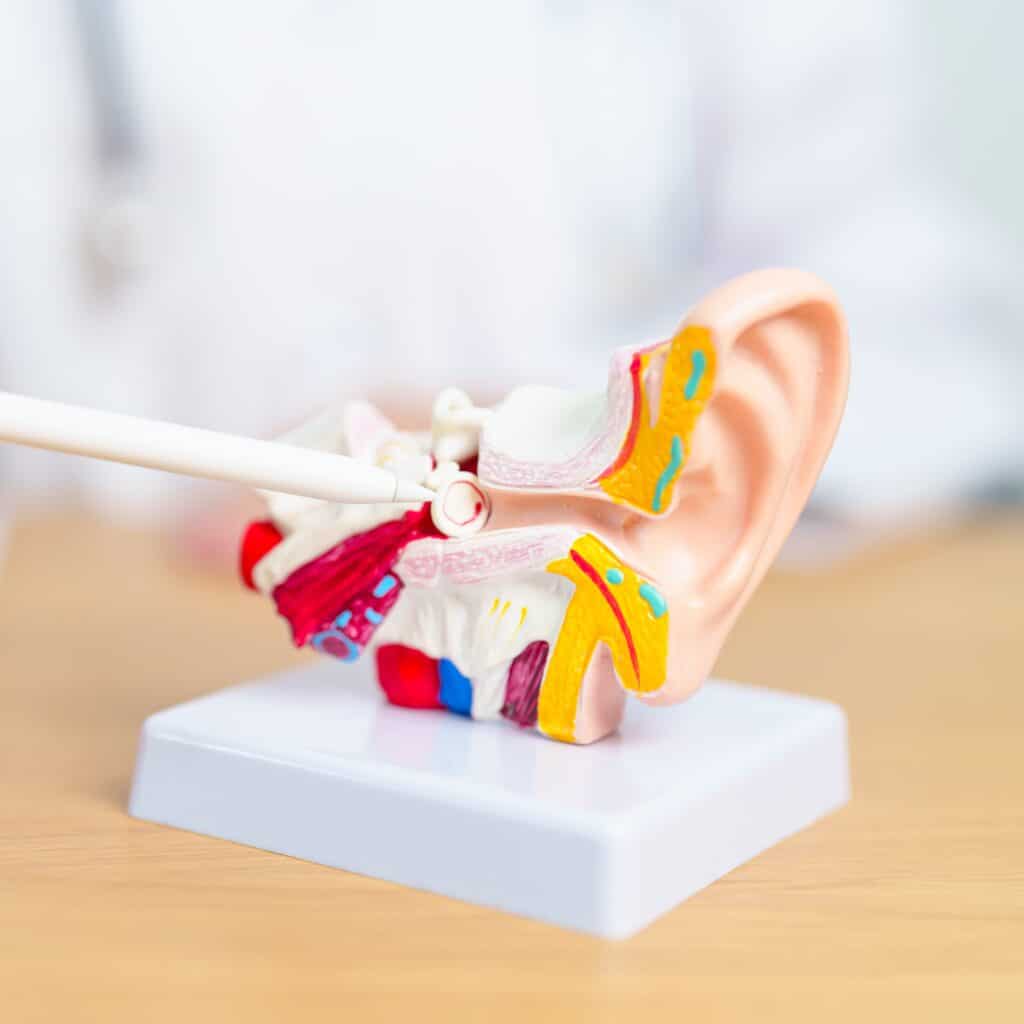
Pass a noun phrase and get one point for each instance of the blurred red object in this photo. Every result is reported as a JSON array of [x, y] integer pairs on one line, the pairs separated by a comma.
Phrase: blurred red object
[[259, 538]]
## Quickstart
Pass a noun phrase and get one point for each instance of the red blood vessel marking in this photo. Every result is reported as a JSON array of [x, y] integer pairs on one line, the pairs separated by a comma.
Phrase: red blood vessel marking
[[634, 423], [344, 578], [595, 578]]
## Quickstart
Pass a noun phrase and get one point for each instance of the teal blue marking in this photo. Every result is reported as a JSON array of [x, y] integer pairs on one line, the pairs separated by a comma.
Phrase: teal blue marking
[[650, 594], [385, 586], [695, 375], [374, 616], [351, 650], [668, 474], [343, 619], [614, 575]]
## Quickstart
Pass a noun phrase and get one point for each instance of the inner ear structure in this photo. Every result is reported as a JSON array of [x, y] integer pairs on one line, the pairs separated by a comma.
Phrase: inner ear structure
[[615, 536]]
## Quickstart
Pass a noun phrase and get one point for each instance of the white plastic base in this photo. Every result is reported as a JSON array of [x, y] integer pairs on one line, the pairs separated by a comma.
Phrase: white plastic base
[[604, 838]]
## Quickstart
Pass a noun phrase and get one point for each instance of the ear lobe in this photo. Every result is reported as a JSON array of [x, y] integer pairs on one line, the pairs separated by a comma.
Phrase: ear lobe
[[782, 371]]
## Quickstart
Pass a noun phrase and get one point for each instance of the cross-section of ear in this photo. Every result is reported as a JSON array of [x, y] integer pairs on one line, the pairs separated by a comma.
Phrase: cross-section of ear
[[770, 350]]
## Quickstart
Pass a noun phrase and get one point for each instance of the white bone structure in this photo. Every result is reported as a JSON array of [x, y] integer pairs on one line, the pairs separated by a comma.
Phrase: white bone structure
[[478, 601], [312, 527], [461, 507], [481, 627]]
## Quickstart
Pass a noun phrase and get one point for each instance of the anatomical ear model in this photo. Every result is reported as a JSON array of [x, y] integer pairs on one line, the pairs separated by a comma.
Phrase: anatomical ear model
[[581, 546]]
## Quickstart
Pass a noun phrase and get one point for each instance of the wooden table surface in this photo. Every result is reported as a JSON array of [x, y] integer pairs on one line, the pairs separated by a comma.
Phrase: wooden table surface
[[907, 905]]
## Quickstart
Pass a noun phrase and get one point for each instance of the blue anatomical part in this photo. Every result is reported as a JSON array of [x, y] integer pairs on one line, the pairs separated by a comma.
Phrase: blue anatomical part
[[456, 690], [695, 375], [668, 474], [653, 597]]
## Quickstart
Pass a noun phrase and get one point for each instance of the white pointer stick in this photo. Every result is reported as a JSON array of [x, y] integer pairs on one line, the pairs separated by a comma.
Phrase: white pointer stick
[[269, 465]]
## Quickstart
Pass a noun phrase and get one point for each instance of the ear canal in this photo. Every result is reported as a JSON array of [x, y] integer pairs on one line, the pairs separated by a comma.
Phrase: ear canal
[[781, 381]]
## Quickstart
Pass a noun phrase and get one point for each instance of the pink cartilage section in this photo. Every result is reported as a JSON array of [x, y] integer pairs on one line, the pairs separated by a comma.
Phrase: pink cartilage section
[[503, 469], [473, 559], [602, 700], [522, 691], [344, 578]]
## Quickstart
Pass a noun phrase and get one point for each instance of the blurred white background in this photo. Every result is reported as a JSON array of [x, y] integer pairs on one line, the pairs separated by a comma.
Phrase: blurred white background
[[229, 214], [975, 56]]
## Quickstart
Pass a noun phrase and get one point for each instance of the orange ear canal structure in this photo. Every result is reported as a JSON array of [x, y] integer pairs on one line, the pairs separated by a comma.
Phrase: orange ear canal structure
[[681, 373], [612, 605]]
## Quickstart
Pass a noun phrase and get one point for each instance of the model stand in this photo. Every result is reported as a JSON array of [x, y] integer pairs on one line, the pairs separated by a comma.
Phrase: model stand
[[603, 839]]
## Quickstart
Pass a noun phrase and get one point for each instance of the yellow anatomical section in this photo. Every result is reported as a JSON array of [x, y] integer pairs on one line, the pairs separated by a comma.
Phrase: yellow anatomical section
[[665, 411], [613, 605]]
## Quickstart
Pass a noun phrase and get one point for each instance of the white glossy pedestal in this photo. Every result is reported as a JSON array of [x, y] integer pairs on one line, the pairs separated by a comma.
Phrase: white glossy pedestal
[[605, 838]]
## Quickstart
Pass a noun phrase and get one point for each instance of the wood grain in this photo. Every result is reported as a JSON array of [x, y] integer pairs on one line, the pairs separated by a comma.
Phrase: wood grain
[[908, 905]]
